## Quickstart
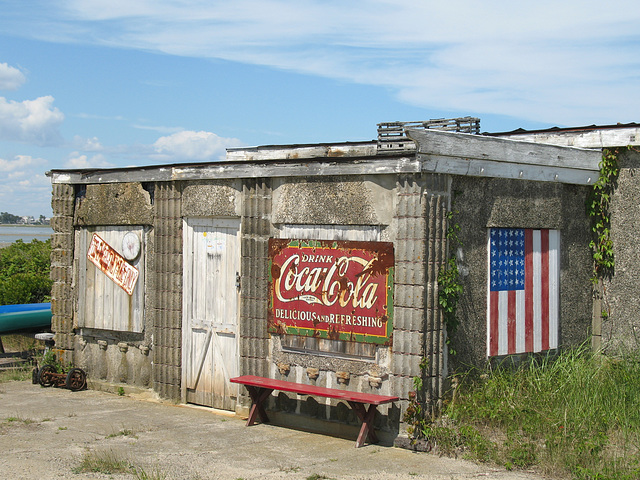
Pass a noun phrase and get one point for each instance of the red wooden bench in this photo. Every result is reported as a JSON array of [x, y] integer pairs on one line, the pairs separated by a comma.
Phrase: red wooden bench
[[260, 388]]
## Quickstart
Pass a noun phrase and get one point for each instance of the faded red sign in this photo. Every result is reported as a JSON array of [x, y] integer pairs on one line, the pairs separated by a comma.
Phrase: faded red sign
[[332, 289], [114, 266]]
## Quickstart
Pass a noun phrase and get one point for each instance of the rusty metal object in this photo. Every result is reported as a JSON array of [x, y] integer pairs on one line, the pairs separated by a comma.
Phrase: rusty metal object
[[343, 377], [47, 376], [112, 264], [76, 379]]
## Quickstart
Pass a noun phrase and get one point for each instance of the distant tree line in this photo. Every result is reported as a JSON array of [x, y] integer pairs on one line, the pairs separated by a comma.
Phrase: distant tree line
[[7, 218], [24, 272]]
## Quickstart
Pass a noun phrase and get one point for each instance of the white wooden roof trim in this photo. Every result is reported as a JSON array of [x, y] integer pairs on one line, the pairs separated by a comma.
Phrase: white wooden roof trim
[[314, 167], [465, 154], [494, 169], [595, 138]]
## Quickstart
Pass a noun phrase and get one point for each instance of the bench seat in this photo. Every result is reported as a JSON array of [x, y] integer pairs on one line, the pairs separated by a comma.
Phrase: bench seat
[[260, 388]]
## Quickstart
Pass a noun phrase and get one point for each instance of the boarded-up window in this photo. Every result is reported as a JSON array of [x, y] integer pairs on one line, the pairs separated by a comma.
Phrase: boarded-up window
[[102, 303], [523, 290], [299, 344]]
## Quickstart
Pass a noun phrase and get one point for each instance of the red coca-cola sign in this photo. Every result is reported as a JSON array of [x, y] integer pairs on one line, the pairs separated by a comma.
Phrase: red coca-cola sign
[[332, 289]]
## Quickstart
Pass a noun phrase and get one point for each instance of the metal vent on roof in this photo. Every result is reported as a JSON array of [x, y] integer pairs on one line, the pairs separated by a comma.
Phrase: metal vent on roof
[[392, 136]]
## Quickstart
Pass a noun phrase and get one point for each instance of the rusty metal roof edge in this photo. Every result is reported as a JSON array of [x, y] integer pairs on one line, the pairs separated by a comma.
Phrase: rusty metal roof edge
[[301, 145], [522, 131]]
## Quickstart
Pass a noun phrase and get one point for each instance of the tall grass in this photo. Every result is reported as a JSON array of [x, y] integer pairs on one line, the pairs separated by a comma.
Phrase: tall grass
[[15, 374], [109, 462], [21, 343], [574, 415], [104, 461]]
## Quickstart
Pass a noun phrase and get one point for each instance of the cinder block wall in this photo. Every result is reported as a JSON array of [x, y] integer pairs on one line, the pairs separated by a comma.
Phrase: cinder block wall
[[256, 230], [164, 306], [482, 203], [421, 249], [620, 327], [435, 331], [107, 356], [62, 241]]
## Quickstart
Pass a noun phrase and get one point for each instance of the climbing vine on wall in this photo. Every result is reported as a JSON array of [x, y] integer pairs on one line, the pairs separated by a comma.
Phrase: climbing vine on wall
[[416, 416], [449, 286], [598, 209]]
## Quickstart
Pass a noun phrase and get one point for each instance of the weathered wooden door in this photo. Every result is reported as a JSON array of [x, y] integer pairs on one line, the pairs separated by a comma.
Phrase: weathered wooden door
[[210, 355]]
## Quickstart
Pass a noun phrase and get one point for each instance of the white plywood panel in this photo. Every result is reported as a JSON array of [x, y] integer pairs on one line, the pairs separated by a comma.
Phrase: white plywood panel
[[104, 304], [363, 233]]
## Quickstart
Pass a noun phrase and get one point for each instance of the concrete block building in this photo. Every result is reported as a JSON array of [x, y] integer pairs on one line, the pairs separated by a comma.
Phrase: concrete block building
[[319, 264]]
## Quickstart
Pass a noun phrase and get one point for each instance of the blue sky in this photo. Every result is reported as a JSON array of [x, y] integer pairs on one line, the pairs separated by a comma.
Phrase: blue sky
[[110, 83]]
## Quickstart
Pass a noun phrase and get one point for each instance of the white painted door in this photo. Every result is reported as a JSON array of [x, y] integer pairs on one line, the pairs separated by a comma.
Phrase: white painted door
[[210, 355]]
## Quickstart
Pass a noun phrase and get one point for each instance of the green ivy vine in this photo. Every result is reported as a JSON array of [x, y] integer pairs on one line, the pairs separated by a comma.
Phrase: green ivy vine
[[449, 286], [598, 209], [416, 415]]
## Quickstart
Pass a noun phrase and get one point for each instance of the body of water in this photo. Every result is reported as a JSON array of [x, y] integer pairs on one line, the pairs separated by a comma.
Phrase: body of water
[[26, 233]]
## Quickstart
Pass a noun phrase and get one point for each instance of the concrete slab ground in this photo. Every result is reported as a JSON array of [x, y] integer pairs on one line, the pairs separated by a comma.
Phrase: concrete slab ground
[[46, 432]]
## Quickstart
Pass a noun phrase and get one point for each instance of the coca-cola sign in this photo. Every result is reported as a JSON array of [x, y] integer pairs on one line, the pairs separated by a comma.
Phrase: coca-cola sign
[[333, 289]]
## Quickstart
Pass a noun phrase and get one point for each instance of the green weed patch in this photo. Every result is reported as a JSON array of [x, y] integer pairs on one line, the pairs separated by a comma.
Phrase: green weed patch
[[575, 415]]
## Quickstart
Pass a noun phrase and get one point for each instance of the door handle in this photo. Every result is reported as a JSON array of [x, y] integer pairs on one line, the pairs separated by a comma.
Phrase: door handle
[[238, 281]]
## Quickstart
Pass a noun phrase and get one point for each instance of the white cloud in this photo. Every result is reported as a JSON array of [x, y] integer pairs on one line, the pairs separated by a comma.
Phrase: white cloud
[[19, 162], [549, 61], [91, 116], [30, 121], [76, 160], [159, 129], [196, 146], [24, 188], [34, 180], [544, 62], [87, 144], [10, 77]]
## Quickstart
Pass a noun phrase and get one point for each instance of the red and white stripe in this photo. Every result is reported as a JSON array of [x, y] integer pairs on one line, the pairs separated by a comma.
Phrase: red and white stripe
[[523, 321]]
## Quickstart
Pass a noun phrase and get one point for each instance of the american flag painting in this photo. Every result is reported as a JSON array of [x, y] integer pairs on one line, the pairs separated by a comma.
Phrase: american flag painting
[[523, 288]]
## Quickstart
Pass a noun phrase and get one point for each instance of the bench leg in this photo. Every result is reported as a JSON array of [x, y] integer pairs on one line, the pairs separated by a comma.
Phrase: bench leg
[[258, 396], [367, 417]]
